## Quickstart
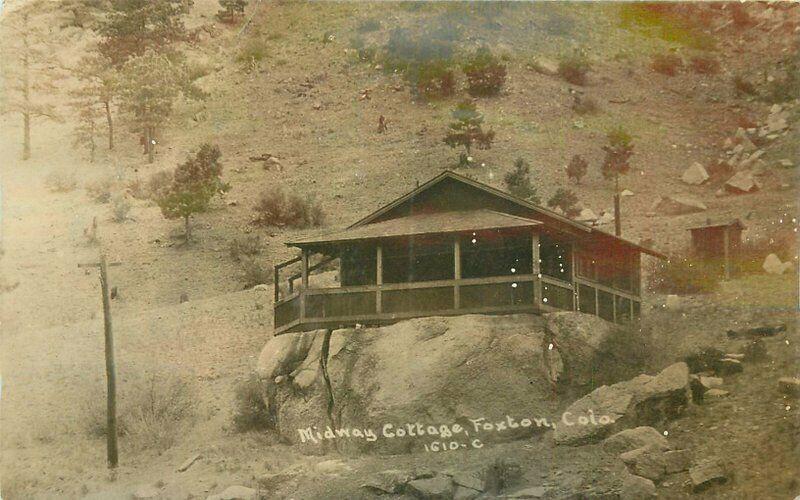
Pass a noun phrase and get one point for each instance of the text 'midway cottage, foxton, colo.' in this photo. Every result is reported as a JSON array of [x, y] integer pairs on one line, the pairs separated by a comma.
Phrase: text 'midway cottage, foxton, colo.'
[[456, 246]]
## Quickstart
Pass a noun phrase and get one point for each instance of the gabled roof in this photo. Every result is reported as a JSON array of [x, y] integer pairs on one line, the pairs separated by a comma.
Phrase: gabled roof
[[421, 224], [450, 175]]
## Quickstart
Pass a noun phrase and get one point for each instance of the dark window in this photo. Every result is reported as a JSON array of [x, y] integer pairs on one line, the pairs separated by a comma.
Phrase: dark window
[[586, 302], [489, 253], [359, 266], [555, 256], [413, 262], [606, 305]]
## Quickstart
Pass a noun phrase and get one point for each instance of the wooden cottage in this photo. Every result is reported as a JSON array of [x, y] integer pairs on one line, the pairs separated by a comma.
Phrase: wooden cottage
[[718, 244], [456, 246]]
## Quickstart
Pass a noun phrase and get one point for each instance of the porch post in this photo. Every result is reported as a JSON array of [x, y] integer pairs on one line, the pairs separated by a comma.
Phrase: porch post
[[304, 282], [537, 271], [378, 278], [573, 251], [276, 280], [456, 272]]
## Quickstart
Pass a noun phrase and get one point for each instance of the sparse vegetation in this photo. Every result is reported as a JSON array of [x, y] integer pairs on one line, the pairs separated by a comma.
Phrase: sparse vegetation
[[254, 272], [574, 67], [682, 275], [120, 207], [369, 25], [486, 74], [584, 105], [742, 86], [577, 168], [158, 183], [244, 247], [251, 413], [252, 53], [60, 181], [277, 208], [518, 182], [153, 409], [466, 130], [666, 64], [99, 190], [565, 200], [705, 65]]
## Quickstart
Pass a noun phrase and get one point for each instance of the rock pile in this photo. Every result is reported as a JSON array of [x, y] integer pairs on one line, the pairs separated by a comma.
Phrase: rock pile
[[643, 400]]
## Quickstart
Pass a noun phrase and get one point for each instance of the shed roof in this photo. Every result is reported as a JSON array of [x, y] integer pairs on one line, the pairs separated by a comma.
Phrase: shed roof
[[709, 224], [420, 224]]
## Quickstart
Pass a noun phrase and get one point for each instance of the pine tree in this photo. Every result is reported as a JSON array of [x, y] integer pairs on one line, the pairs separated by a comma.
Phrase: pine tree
[[577, 168], [134, 27], [195, 182], [29, 68], [617, 162], [100, 83], [149, 86], [565, 200], [231, 9], [88, 113], [518, 182], [467, 130]]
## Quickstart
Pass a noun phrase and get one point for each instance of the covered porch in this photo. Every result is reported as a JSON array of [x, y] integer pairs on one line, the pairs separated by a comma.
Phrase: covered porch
[[470, 262]]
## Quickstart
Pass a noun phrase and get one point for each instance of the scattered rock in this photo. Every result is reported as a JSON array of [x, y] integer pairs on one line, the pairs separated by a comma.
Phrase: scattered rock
[[727, 366], [637, 488], [645, 462], [464, 493], [544, 66], [188, 463], [776, 122], [146, 491], [184, 298], [642, 400], [331, 467], [706, 474], [711, 382], [275, 480], [773, 265], [586, 215], [626, 192], [533, 492], [467, 480], [715, 393], [638, 437], [235, 493], [389, 481], [742, 182], [696, 174], [677, 205], [735, 355], [261, 288], [317, 105], [606, 218], [789, 386], [673, 302], [786, 163], [439, 487]]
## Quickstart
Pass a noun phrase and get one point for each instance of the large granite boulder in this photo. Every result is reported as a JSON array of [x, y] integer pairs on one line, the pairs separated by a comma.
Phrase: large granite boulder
[[399, 388]]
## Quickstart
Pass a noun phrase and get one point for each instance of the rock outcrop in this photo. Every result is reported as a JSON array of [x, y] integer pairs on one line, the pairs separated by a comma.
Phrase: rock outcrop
[[398, 388], [643, 400]]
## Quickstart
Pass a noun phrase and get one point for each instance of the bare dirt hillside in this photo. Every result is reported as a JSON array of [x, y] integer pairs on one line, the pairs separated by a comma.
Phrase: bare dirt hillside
[[311, 102]]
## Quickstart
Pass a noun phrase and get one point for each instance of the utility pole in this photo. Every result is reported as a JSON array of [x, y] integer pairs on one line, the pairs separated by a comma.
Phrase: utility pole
[[111, 372], [617, 214]]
